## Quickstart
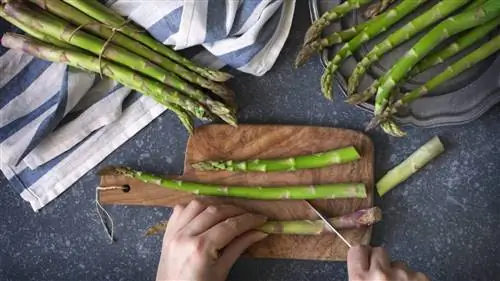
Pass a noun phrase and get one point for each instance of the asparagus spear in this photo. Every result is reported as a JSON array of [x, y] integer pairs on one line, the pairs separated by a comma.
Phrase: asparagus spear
[[107, 16], [451, 71], [319, 44], [392, 17], [391, 128], [410, 166], [436, 13], [377, 8], [35, 33], [325, 191], [58, 28], [358, 219], [73, 15], [317, 160], [444, 30], [454, 48], [123, 75], [337, 12]]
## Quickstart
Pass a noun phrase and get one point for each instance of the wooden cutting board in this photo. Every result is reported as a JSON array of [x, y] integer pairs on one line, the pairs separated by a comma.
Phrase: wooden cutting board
[[268, 141]]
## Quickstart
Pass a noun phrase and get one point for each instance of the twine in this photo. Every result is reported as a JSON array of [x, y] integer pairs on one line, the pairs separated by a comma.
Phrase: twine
[[110, 38], [104, 216]]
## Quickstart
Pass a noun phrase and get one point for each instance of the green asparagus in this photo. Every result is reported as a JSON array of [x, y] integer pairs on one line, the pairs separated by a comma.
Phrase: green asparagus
[[453, 25], [73, 15], [410, 166], [123, 75], [319, 44], [377, 8], [324, 191], [337, 12], [35, 33], [392, 17], [317, 160], [478, 55], [454, 48], [60, 29], [358, 219], [107, 16], [436, 13]]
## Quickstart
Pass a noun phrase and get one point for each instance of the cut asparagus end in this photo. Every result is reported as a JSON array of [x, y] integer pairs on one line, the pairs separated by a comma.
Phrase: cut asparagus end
[[410, 166]]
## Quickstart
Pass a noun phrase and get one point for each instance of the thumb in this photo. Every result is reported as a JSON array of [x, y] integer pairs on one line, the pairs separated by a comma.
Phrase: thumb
[[234, 250]]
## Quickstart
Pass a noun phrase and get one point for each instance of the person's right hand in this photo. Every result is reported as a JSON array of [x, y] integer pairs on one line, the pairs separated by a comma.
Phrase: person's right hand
[[365, 263]]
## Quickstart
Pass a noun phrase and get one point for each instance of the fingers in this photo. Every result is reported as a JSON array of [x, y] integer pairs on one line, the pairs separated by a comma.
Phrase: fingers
[[225, 232], [193, 209], [211, 216], [358, 259], [173, 221], [379, 258], [234, 250]]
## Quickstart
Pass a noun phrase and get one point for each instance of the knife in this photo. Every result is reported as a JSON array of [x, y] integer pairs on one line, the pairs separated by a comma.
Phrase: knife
[[328, 224]]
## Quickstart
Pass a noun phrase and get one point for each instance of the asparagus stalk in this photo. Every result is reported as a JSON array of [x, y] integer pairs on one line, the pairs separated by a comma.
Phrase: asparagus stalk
[[107, 16], [319, 44], [337, 12], [436, 13], [392, 17], [325, 191], [317, 160], [123, 75], [410, 166], [35, 33], [377, 8], [444, 30], [478, 55], [358, 219], [60, 29], [73, 15], [454, 48]]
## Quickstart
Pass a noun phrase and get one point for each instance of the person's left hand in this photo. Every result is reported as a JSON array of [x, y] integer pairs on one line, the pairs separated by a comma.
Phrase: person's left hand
[[202, 242]]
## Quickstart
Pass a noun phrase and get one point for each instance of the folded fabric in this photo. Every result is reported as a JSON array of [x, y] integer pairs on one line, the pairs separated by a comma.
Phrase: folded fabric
[[57, 122]]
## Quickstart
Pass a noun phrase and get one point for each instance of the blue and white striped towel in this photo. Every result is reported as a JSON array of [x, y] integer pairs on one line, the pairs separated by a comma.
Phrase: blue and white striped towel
[[57, 123]]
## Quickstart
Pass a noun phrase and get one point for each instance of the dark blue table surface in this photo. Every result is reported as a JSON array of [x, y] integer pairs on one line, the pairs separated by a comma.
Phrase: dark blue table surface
[[443, 221]]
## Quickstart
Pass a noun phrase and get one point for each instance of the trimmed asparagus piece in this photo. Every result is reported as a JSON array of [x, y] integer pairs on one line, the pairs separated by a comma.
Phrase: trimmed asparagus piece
[[35, 33], [377, 8], [317, 160], [444, 30], [337, 12], [372, 30], [410, 166], [73, 15], [436, 13], [324, 191], [107, 16], [123, 75], [454, 48], [58, 28], [358, 219]]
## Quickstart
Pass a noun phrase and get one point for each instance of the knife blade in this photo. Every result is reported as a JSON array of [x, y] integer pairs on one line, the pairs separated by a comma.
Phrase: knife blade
[[328, 224]]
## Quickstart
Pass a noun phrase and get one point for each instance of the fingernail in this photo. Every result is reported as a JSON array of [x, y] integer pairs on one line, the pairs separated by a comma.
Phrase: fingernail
[[260, 235]]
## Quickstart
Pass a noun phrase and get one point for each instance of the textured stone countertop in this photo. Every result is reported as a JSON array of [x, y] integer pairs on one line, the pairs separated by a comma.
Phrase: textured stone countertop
[[443, 221]]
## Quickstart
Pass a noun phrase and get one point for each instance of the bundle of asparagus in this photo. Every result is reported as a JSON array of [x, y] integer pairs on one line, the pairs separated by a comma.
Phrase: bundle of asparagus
[[68, 32], [474, 22], [358, 219]]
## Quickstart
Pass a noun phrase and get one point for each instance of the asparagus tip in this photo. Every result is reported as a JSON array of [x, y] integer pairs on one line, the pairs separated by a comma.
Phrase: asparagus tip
[[114, 171], [205, 166], [304, 54]]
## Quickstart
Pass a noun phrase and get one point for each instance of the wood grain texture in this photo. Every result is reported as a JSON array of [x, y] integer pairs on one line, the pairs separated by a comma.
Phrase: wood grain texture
[[223, 142]]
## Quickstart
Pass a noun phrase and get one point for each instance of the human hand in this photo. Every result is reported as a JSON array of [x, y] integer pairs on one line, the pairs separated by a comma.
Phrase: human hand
[[365, 263], [202, 243]]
